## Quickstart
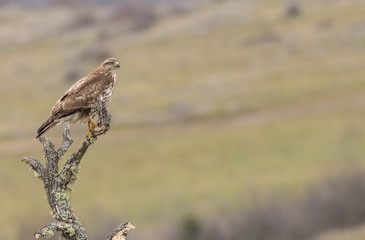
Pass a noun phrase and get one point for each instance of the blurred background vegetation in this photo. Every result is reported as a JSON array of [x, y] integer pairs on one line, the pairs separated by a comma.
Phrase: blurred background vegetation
[[232, 119]]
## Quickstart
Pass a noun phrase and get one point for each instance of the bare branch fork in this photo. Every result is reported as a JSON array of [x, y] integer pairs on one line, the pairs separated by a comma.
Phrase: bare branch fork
[[56, 182]]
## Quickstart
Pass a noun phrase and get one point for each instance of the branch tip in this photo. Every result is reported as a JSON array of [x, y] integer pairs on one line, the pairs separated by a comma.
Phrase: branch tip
[[66, 142], [120, 233]]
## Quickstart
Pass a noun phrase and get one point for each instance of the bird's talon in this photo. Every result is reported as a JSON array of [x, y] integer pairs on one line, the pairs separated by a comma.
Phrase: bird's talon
[[92, 125], [98, 129]]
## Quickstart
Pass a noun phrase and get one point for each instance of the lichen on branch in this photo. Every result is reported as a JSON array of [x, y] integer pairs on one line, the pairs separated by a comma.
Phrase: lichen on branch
[[56, 182]]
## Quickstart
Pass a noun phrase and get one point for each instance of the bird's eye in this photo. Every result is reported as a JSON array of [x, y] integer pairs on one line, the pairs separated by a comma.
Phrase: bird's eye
[[110, 63]]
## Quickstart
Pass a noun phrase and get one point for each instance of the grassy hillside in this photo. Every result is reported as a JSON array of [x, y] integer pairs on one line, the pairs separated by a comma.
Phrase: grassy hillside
[[230, 100], [355, 233]]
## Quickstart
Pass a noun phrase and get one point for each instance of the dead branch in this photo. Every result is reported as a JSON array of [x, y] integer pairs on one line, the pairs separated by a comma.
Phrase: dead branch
[[120, 233], [56, 183]]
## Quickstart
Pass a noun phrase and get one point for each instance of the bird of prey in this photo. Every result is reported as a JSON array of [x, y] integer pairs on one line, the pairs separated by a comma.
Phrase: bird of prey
[[75, 105]]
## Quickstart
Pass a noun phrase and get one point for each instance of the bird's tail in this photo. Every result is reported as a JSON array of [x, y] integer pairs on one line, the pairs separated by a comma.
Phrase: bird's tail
[[46, 126]]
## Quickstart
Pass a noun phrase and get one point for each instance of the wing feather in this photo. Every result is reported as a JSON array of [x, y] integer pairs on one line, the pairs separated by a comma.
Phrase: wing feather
[[80, 95]]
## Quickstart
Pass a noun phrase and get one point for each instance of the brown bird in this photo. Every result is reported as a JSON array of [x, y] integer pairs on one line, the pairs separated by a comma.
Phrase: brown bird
[[75, 105]]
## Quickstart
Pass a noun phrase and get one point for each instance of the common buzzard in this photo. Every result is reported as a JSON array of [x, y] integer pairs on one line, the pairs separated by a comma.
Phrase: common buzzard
[[75, 105]]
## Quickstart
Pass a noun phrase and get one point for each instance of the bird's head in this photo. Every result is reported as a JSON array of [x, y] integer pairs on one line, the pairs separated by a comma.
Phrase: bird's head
[[110, 64]]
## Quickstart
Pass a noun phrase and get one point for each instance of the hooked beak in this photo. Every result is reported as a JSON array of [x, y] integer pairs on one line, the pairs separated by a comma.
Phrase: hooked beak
[[117, 65]]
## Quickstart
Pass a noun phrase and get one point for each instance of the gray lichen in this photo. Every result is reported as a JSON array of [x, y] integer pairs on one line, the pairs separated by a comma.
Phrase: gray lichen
[[56, 183], [47, 233], [37, 175]]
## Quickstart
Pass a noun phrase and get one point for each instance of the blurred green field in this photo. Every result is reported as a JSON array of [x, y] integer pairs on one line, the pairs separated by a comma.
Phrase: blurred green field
[[212, 109]]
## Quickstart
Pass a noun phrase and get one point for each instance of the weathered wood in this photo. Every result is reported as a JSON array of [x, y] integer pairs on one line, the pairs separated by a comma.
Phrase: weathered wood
[[56, 183]]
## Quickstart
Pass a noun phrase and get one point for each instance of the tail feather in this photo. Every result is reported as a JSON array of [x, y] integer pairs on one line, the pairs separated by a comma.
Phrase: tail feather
[[46, 126]]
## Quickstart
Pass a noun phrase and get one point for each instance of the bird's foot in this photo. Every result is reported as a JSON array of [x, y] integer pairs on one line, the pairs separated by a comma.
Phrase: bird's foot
[[96, 131], [91, 124]]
